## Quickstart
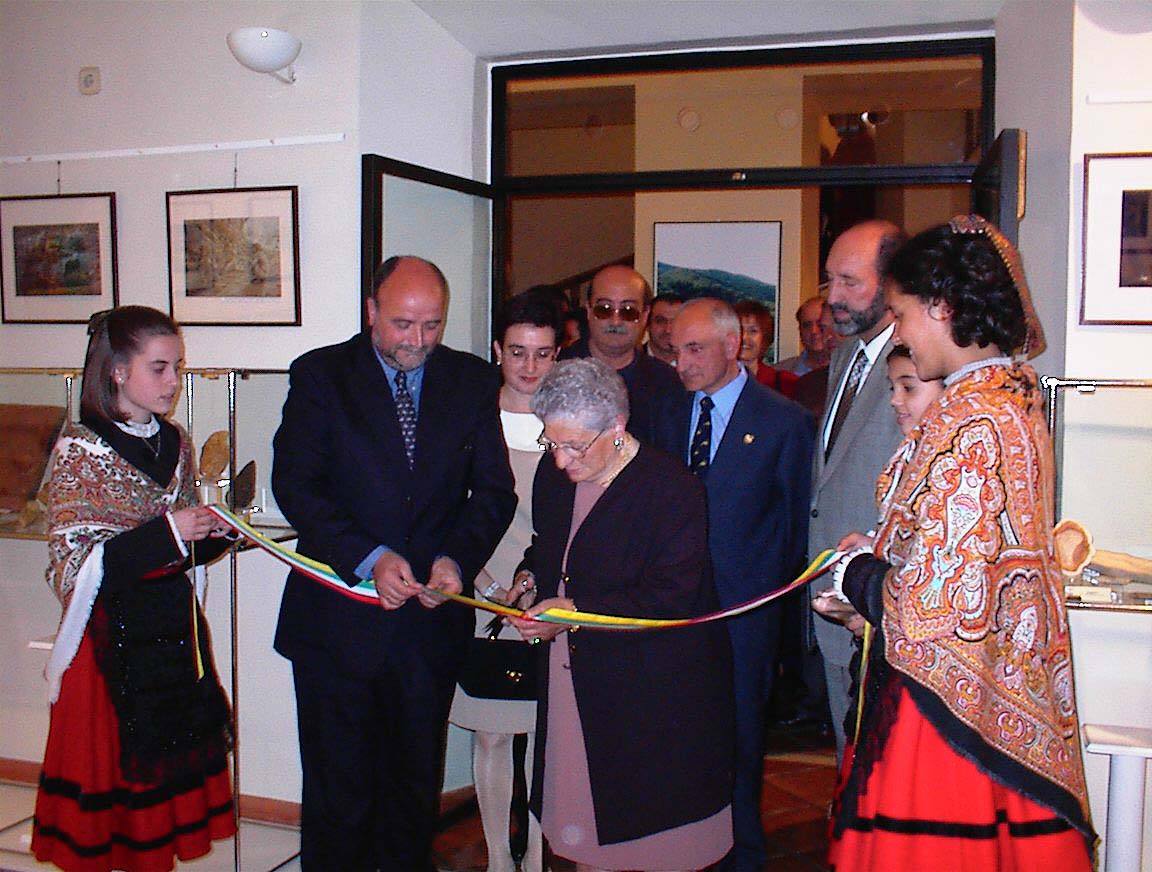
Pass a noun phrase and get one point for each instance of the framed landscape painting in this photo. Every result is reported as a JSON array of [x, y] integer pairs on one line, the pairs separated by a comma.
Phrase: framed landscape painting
[[732, 260], [57, 258], [234, 256]]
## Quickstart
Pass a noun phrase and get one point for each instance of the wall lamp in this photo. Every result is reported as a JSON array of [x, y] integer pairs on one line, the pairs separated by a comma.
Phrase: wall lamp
[[265, 50]]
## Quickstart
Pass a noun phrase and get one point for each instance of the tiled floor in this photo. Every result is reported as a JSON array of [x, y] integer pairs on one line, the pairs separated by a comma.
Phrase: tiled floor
[[798, 779], [263, 847], [799, 774]]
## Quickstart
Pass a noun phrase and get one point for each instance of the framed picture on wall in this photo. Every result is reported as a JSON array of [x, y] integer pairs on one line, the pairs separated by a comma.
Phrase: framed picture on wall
[[234, 257], [1117, 258], [57, 258], [732, 260]]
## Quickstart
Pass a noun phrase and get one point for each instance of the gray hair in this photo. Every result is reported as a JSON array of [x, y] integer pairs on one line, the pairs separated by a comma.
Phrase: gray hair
[[584, 390], [724, 317]]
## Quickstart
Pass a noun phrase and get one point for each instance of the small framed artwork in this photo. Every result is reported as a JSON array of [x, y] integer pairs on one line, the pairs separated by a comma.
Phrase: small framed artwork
[[57, 258], [732, 260], [1117, 258], [234, 257]]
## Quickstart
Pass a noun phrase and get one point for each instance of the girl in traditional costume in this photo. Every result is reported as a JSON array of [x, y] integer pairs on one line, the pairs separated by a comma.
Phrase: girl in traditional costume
[[967, 752], [135, 770]]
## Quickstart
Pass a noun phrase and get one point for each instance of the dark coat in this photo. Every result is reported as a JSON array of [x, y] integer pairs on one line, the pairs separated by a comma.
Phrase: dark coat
[[655, 705], [341, 477]]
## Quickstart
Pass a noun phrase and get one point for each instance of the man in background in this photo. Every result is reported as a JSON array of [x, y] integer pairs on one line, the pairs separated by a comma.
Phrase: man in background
[[815, 350], [858, 431], [665, 308], [752, 448], [618, 305]]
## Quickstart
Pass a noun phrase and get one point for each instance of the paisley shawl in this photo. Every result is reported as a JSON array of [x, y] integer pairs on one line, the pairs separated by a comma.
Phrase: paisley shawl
[[973, 606], [95, 494]]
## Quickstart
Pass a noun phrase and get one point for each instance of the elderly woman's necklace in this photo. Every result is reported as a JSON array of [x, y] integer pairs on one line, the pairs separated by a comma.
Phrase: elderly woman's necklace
[[626, 448]]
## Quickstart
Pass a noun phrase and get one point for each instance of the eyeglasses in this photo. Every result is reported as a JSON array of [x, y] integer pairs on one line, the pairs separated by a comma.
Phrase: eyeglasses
[[568, 448], [627, 312]]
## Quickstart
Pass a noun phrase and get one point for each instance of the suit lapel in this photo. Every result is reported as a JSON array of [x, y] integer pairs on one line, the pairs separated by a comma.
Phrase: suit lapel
[[871, 394], [739, 435]]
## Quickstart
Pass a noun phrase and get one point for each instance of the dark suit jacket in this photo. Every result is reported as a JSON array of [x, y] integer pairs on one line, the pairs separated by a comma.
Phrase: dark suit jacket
[[651, 383], [758, 490], [655, 705], [342, 479]]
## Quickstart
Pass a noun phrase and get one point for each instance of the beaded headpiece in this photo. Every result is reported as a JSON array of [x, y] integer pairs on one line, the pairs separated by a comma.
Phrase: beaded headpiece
[[1034, 342]]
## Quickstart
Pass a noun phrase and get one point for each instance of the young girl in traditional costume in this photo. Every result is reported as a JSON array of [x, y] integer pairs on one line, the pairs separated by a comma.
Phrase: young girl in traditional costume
[[135, 770], [967, 753]]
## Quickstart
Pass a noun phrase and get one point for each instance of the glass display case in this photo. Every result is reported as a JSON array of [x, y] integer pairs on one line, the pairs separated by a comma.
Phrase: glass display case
[[1103, 446]]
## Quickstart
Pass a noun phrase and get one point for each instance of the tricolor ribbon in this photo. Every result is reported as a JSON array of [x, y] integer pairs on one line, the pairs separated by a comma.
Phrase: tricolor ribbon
[[366, 590]]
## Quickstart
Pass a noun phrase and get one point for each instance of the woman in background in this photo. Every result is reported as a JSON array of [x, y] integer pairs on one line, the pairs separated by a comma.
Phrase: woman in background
[[757, 332], [135, 771], [967, 754], [525, 349]]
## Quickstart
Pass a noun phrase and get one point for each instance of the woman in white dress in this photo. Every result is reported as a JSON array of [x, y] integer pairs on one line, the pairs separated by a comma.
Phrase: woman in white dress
[[525, 349]]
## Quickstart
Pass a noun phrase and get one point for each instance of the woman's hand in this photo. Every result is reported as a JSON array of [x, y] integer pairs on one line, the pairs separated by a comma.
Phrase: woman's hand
[[835, 609], [855, 540], [535, 632], [195, 523]]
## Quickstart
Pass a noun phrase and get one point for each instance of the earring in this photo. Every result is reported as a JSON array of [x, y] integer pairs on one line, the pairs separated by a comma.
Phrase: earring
[[618, 443]]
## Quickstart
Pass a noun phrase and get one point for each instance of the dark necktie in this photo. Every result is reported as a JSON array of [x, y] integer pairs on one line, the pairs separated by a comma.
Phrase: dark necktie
[[406, 413], [851, 386], [699, 455]]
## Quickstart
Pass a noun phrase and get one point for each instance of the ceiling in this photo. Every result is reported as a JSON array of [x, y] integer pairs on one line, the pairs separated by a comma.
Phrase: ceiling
[[498, 29]]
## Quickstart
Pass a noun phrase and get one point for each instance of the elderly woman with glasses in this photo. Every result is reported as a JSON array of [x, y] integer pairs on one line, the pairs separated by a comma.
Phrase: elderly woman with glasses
[[634, 762]]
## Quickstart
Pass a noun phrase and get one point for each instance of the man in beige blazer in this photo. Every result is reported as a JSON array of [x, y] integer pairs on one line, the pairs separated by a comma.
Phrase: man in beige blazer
[[858, 432]]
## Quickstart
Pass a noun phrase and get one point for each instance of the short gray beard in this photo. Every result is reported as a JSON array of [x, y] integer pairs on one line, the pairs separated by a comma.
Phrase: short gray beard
[[860, 321]]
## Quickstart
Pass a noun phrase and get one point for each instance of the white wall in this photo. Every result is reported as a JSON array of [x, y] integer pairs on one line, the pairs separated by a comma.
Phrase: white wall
[[1034, 92], [417, 93], [1051, 55], [169, 79]]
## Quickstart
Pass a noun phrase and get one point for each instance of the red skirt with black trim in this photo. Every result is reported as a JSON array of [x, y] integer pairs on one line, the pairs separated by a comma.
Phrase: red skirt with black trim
[[926, 807], [89, 819]]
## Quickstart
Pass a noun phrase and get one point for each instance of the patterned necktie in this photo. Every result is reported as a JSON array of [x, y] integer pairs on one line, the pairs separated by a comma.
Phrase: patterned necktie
[[406, 413], [851, 386], [699, 455]]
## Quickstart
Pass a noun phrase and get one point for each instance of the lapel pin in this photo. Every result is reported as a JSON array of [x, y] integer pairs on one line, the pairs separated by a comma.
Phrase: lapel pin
[[749, 438]]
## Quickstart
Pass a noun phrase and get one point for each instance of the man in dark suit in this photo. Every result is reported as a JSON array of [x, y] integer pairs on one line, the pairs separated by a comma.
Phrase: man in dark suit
[[753, 449], [618, 305], [390, 463]]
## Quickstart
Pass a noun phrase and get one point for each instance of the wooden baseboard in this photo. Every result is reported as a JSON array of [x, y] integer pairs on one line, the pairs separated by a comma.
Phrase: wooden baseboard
[[20, 771], [270, 811], [252, 808]]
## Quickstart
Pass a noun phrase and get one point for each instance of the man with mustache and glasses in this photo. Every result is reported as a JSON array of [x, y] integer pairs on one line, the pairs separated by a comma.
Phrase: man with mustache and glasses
[[390, 462], [618, 305], [858, 433]]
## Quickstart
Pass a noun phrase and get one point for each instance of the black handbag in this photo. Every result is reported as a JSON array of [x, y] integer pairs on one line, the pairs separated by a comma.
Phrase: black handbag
[[500, 669]]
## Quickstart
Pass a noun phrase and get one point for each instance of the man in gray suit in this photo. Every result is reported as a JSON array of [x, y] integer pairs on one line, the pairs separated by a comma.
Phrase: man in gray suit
[[858, 432]]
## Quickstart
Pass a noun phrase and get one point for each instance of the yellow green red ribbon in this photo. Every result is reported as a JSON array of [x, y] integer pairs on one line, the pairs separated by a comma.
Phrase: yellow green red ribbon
[[366, 590]]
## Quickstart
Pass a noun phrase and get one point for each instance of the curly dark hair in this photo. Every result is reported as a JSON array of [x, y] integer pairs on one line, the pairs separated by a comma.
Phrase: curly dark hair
[[966, 273]]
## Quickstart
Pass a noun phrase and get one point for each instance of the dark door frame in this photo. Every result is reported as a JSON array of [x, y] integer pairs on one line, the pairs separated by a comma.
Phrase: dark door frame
[[730, 178]]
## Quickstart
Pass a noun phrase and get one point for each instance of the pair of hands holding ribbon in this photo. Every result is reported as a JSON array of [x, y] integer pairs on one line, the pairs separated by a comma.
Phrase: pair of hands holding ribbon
[[523, 593], [395, 583], [830, 604]]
